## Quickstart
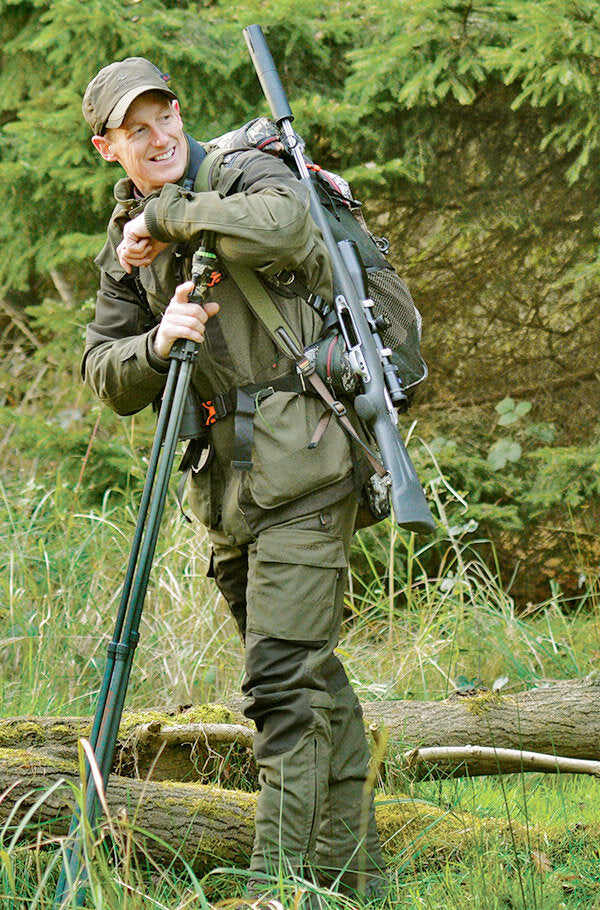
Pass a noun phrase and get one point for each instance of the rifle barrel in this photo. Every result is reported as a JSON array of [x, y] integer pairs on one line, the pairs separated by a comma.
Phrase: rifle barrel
[[409, 503], [267, 73]]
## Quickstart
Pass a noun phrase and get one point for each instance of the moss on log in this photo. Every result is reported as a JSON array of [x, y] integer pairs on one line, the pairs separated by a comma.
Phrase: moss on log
[[211, 743], [203, 755], [208, 826]]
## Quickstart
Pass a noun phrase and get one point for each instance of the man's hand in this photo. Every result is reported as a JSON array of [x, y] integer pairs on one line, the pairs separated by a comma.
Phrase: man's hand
[[138, 248], [182, 319]]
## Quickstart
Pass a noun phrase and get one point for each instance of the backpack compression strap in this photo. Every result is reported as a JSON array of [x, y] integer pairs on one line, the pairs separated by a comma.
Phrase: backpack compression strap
[[284, 337]]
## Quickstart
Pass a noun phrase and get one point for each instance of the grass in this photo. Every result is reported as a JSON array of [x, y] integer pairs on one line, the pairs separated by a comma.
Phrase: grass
[[410, 633], [59, 591], [558, 868]]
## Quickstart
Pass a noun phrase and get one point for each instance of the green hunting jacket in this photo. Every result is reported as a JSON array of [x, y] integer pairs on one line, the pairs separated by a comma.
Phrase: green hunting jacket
[[260, 214]]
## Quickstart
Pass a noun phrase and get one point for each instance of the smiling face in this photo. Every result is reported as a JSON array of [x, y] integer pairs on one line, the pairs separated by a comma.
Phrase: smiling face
[[149, 144]]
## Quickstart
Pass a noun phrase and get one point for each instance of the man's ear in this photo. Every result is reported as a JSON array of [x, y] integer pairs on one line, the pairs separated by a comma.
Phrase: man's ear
[[104, 148], [176, 108]]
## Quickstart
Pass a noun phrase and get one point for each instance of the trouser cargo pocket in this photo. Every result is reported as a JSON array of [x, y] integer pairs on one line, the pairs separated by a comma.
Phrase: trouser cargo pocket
[[293, 584]]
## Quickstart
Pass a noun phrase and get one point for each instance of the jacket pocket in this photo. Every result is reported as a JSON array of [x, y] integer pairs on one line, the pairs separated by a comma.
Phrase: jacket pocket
[[284, 468]]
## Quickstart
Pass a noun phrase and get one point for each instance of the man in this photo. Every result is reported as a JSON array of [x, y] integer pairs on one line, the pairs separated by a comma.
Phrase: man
[[280, 514]]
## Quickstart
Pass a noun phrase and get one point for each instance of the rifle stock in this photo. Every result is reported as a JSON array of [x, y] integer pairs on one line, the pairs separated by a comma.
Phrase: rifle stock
[[381, 388]]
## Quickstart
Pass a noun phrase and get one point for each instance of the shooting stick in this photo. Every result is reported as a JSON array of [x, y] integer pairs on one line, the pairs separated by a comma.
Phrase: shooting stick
[[121, 649]]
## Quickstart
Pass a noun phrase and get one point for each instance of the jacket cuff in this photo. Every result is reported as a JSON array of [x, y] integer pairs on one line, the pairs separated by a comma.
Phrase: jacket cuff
[[151, 221], [156, 362]]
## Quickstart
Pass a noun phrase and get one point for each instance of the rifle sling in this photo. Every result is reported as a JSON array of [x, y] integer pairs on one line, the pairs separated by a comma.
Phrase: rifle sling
[[284, 337]]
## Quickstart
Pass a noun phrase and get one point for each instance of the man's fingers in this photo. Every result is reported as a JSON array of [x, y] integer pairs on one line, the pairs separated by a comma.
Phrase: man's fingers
[[123, 258], [189, 313], [137, 248], [129, 256], [182, 294], [183, 291], [136, 229], [140, 249], [183, 319]]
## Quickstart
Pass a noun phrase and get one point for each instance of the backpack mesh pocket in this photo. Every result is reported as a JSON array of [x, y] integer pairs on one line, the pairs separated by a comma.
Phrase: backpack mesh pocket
[[401, 331]]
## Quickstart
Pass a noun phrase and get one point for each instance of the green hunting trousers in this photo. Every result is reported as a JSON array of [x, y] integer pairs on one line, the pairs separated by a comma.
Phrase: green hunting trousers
[[285, 588]]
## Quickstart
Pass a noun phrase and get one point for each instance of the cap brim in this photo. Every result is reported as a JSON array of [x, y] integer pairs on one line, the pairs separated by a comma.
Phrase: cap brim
[[117, 115]]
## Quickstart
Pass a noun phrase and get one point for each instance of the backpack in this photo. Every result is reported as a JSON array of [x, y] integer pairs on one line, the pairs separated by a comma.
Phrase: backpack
[[398, 318], [325, 362]]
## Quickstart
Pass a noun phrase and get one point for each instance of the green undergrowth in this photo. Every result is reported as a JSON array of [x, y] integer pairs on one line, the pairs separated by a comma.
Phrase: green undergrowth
[[409, 632], [517, 842], [527, 841], [62, 565]]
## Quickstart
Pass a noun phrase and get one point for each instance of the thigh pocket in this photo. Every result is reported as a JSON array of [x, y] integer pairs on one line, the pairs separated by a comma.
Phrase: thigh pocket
[[293, 583]]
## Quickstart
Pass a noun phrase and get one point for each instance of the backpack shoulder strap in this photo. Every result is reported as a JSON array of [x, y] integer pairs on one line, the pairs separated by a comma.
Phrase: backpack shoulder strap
[[203, 181], [197, 156]]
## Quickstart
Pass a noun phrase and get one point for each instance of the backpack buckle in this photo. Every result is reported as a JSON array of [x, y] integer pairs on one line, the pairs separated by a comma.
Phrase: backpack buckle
[[305, 366], [215, 409]]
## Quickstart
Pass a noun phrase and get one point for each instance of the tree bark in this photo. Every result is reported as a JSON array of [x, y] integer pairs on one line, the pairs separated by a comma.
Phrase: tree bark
[[562, 719], [205, 825]]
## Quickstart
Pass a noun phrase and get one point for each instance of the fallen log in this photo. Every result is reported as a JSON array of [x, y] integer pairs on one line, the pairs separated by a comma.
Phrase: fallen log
[[213, 742], [202, 743], [561, 719], [203, 825], [208, 826]]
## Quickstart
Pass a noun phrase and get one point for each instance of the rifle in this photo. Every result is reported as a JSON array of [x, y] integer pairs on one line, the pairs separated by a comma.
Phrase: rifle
[[382, 391]]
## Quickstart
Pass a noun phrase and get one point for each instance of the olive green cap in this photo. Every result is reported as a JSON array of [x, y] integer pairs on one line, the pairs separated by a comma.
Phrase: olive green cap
[[110, 93]]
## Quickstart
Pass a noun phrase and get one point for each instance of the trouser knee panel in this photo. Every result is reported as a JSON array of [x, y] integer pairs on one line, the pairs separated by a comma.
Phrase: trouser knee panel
[[281, 689]]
